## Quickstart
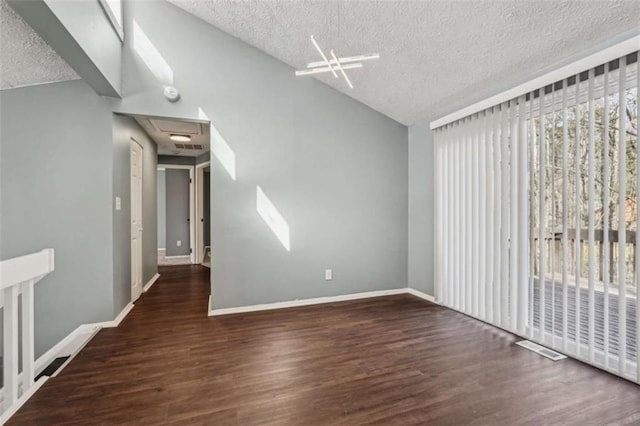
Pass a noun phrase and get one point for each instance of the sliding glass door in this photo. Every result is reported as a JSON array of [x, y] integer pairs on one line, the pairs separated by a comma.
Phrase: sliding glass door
[[537, 216]]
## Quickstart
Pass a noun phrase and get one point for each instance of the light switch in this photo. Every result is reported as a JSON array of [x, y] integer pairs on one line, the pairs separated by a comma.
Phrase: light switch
[[118, 203]]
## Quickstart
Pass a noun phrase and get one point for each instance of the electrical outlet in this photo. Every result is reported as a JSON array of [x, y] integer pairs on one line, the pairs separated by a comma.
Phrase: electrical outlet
[[328, 274], [118, 203], [179, 243]]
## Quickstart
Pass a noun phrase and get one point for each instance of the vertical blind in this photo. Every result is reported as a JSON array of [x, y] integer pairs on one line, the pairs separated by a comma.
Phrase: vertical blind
[[537, 216]]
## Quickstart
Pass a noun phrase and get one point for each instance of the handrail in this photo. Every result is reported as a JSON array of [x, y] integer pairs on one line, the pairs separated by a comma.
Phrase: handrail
[[24, 268], [17, 278]]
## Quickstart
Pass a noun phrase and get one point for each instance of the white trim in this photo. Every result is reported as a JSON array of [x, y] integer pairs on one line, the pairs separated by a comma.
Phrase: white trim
[[614, 52], [421, 295], [163, 166], [58, 349], [113, 20], [304, 302], [116, 322], [45, 359], [151, 282], [184, 256], [163, 248], [199, 193], [69, 346], [24, 398], [22, 269], [192, 208], [78, 344]]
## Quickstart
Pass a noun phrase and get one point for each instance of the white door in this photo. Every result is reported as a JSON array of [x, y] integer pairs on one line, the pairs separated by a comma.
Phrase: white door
[[136, 220], [199, 214]]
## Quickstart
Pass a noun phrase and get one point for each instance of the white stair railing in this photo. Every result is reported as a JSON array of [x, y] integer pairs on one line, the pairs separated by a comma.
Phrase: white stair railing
[[17, 277]]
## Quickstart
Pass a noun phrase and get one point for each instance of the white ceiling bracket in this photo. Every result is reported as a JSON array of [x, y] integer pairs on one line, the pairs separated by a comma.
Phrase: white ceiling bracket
[[330, 65], [324, 57], [339, 65], [320, 70]]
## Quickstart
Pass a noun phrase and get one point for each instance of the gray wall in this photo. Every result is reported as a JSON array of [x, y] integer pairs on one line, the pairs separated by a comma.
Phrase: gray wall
[[177, 211], [124, 129], [176, 159], [421, 209], [203, 158], [162, 209], [90, 27], [55, 187], [335, 169]]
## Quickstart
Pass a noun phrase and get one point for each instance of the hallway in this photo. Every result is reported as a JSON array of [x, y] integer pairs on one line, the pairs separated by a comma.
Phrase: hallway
[[389, 359]]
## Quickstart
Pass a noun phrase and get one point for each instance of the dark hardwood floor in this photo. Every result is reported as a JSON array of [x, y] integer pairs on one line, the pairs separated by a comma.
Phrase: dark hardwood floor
[[391, 360]]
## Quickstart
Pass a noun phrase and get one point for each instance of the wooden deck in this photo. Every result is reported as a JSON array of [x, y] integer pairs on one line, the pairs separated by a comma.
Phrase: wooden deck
[[389, 360]]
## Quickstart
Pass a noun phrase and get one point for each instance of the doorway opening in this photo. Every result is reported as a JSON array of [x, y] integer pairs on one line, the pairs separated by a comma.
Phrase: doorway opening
[[176, 214], [183, 147]]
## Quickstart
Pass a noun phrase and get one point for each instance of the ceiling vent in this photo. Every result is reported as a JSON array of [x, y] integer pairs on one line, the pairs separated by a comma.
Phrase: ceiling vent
[[188, 146]]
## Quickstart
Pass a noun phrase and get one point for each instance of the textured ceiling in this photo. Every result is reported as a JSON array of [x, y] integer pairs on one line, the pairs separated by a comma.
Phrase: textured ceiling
[[25, 58], [436, 56]]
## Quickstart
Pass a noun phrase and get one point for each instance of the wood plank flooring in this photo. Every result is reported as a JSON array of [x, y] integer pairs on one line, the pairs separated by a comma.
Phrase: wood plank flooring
[[391, 360]]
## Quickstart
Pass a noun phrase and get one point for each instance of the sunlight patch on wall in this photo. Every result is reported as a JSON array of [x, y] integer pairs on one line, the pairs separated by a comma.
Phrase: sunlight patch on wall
[[272, 218], [220, 148], [151, 56]]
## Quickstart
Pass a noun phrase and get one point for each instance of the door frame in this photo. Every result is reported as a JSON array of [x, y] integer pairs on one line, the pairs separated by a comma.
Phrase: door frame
[[192, 213], [140, 253], [200, 210]]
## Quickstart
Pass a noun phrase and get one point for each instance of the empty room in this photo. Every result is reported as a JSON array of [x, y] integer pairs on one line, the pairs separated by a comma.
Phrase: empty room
[[319, 212]]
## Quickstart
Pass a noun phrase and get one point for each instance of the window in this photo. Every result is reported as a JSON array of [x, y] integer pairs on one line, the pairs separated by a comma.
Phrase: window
[[113, 9]]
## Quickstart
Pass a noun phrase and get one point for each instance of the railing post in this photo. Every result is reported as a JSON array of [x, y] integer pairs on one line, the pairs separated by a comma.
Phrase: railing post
[[10, 355], [28, 352]]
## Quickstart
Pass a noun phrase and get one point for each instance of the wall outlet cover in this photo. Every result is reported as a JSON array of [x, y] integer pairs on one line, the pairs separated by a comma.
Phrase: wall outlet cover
[[328, 274], [118, 203], [179, 243]]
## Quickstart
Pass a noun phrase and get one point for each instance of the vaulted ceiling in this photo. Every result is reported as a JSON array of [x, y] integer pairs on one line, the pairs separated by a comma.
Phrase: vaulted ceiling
[[25, 58], [436, 56]]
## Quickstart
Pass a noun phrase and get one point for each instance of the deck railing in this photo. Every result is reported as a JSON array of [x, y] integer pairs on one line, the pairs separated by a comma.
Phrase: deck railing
[[606, 256], [17, 279]]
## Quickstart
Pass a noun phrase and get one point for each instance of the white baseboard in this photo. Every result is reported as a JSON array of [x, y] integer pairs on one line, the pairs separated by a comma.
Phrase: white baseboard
[[69, 346], [62, 348], [76, 340], [77, 345], [23, 398], [421, 295], [303, 302], [162, 249], [151, 282], [116, 322], [183, 256]]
